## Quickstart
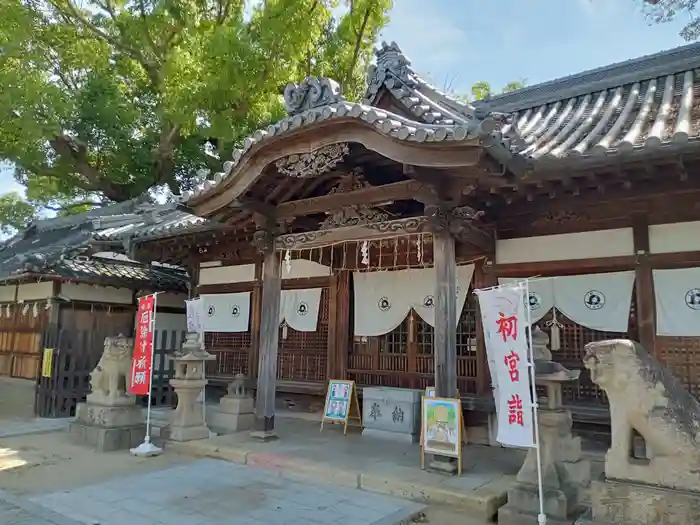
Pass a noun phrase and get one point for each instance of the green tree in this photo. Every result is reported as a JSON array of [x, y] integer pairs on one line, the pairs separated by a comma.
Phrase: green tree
[[662, 11], [481, 90], [102, 99], [15, 213]]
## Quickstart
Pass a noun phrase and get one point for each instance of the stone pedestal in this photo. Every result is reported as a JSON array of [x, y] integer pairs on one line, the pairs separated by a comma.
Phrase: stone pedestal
[[108, 427], [187, 422], [624, 503], [565, 475], [233, 414], [391, 413], [109, 419]]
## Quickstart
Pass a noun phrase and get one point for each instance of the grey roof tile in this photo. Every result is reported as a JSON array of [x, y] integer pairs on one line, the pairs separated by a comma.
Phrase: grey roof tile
[[55, 246]]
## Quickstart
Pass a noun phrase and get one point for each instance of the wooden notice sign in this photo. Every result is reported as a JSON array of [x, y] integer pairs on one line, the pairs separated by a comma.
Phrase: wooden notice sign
[[342, 404], [430, 392], [441, 429]]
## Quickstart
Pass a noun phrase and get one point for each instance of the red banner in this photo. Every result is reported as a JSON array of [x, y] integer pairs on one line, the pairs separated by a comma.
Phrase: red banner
[[140, 380]]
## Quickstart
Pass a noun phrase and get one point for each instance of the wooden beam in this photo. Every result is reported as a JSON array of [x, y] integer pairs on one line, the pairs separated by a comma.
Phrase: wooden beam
[[254, 206], [467, 232], [644, 285], [363, 232], [635, 190], [264, 424], [403, 190]]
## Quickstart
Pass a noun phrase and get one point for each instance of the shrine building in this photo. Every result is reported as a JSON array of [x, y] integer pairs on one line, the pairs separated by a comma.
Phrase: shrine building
[[344, 241]]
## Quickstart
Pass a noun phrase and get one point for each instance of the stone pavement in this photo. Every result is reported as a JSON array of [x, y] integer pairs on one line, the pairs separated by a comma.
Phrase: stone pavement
[[23, 427], [210, 492], [17, 511], [372, 464]]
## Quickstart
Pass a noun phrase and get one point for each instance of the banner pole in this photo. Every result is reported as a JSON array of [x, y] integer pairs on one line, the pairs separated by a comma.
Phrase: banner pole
[[541, 517], [147, 448], [147, 440]]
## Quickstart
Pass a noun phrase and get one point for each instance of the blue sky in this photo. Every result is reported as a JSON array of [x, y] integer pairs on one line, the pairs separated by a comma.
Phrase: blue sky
[[458, 42]]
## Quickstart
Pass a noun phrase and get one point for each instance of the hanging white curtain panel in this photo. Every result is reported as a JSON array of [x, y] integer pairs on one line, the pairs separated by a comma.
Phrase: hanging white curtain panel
[[677, 302], [425, 306], [300, 308], [384, 299], [226, 312], [541, 295], [597, 301], [503, 316], [194, 315]]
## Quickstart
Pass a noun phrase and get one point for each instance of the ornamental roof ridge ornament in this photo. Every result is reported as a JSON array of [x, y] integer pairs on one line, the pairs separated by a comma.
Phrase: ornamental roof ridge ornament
[[393, 71], [312, 92]]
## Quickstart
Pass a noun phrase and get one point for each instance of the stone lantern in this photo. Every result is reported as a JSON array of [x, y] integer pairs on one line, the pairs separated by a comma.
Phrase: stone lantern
[[565, 474], [188, 421]]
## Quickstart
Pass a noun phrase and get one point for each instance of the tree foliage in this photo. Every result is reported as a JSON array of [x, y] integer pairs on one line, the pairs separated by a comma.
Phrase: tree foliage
[[662, 11], [102, 99], [481, 90], [16, 213]]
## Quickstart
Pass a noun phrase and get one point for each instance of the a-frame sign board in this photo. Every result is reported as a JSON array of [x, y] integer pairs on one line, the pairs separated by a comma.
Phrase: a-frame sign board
[[342, 404]]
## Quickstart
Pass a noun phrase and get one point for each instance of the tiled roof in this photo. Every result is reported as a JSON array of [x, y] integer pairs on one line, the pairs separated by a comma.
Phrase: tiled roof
[[119, 272], [435, 123], [636, 106], [56, 246], [161, 221]]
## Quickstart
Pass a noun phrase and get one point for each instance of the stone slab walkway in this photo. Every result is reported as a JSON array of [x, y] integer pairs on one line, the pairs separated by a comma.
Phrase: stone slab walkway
[[211, 492], [18, 511], [372, 464]]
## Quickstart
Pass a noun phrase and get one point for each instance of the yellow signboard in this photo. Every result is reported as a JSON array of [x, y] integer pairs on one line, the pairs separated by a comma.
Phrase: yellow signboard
[[47, 363]]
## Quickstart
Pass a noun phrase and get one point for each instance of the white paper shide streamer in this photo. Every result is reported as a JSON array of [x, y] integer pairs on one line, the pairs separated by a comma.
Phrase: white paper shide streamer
[[505, 321], [194, 315]]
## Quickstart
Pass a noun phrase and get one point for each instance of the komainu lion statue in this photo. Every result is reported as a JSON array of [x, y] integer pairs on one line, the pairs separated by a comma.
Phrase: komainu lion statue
[[237, 386], [108, 380], [645, 397]]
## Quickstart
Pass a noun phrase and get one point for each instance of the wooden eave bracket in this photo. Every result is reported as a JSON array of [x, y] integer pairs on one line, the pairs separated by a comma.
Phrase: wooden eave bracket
[[464, 230]]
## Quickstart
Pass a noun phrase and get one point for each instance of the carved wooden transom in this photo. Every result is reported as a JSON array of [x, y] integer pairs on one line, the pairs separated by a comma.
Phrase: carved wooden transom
[[356, 215], [309, 165]]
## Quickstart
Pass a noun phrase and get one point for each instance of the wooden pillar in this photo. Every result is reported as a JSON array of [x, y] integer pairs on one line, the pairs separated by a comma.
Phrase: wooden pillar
[[342, 329], [483, 278], [445, 338], [255, 311], [264, 426], [332, 350], [644, 286]]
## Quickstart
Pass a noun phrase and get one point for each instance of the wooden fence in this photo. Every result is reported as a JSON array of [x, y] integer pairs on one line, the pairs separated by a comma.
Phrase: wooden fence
[[75, 353]]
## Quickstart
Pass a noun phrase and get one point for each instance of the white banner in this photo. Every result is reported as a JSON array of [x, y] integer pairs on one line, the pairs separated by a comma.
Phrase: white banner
[[540, 296], [194, 315], [300, 308], [598, 301], [504, 319], [226, 312], [677, 302]]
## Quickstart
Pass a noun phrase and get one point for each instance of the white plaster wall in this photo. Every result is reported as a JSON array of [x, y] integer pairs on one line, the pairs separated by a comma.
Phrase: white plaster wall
[[241, 273], [566, 246], [7, 293], [35, 291], [170, 300], [96, 294], [675, 237]]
